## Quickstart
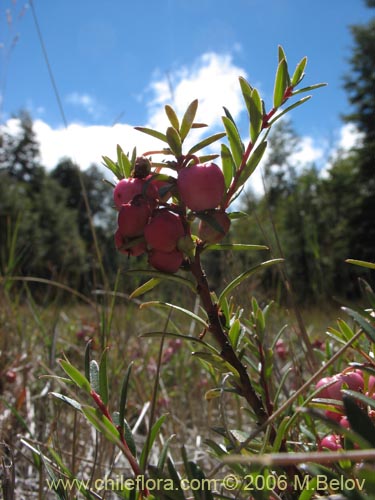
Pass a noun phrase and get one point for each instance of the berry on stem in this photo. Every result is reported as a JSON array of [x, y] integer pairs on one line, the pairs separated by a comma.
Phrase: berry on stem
[[163, 231], [201, 186]]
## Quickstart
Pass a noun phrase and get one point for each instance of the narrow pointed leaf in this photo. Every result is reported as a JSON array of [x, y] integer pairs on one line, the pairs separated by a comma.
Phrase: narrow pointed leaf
[[188, 119], [129, 438], [206, 158], [362, 263], [94, 376], [111, 165], [236, 247], [299, 72], [164, 452], [246, 89], [87, 359], [252, 162], [153, 133], [194, 340], [101, 423], [75, 375], [103, 378], [188, 313], [163, 276], [289, 108], [234, 139], [256, 116], [281, 83], [206, 142], [174, 141], [170, 112], [281, 53], [363, 323], [146, 287], [149, 443], [72, 402], [309, 88], [124, 395], [228, 165], [123, 163], [242, 277], [216, 362]]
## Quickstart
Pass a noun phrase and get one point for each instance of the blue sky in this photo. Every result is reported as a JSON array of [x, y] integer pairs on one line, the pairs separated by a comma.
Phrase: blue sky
[[117, 61]]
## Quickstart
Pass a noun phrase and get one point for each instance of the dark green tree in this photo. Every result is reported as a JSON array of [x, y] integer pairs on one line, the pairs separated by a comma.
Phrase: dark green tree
[[360, 85]]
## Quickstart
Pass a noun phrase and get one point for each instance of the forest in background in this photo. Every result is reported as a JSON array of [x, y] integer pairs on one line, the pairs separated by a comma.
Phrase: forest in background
[[52, 228]]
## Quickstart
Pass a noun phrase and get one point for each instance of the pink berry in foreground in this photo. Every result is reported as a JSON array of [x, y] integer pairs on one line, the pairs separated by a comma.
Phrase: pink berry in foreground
[[210, 234], [201, 186], [331, 442], [127, 189], [168, 262], [133, 217], [163, 231], [134, 250]]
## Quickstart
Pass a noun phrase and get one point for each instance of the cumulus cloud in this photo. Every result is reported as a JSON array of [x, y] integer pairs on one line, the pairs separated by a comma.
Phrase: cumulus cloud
[[86, 102], [212, 79]]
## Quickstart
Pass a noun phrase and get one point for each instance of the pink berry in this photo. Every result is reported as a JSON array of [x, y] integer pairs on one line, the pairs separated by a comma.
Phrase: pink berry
[[134, 250], [133, 217], [201, 186], [127, 189], [163, 231], [168, 262], [210, 234], [331, 442]]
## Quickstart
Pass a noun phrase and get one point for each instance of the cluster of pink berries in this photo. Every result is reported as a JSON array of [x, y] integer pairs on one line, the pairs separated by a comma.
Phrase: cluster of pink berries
[[331, 388], [147, 222]]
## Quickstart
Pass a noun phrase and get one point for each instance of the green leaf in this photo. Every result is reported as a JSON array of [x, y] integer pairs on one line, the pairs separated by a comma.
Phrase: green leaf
[[170, 112], [309, 88], [280, 53], [101, 423], [359, 421], [194, 340], [191, 315], [87, 359], [299, 72], [217, 362], [129, 438], [246, 90], [123, 162], [228, 165], [237, 214], [234, 139], [164, 452], [188, 119], [153, 133], [360, 397], [72, 402], [310, 489], [256, 115], [61, 492], [362, 263], [174, 141], [236, 247], [163, 276], [234, 333], [94, 376], [252, 162], [111, 165], [242, 277], [75, 375], [103, 378], [364, 324], [289, 108], [124, 394], [206, 142], [281, 84], [146, 287], [149, 442]]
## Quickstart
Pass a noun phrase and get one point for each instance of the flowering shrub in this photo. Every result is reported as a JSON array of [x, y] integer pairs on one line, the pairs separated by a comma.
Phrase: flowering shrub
[[174, 211]]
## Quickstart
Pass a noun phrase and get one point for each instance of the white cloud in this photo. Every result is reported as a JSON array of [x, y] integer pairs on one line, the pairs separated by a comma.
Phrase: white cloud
[[349, 137], [213, 80]]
